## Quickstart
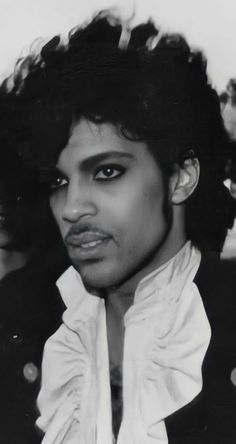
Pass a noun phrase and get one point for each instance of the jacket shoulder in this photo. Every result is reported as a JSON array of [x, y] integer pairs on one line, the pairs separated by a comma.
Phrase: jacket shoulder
[[216, 281]]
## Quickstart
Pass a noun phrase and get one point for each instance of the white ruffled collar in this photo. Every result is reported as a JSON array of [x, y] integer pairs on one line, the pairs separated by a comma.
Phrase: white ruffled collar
[[166, 338], [168, 272], [73, 291]]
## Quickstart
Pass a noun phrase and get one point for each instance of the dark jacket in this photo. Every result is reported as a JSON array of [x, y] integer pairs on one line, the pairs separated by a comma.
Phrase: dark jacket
[[30, 311], [211, 417]]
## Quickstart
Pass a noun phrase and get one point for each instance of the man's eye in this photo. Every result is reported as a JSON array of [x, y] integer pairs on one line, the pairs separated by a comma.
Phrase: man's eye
[[108, 173], [58, 182]]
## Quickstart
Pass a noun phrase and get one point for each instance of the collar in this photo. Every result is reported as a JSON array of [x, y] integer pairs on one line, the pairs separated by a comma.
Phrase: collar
[[166, 340], [73, 290]]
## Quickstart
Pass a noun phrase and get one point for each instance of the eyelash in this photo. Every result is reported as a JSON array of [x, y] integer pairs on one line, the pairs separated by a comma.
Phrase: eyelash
[[120, 171], [54, 185], [60, 181]]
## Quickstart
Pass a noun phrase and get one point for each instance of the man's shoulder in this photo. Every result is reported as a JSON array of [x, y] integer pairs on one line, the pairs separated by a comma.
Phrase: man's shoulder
[[212, 262], [216, 275], [210, 417], [29, 296], [216, 282]]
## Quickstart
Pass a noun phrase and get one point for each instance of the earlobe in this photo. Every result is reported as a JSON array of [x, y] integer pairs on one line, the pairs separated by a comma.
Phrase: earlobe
[[184, 181]]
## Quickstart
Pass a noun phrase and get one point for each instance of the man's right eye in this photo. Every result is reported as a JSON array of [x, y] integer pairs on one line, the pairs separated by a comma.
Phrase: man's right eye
[[58, 182]]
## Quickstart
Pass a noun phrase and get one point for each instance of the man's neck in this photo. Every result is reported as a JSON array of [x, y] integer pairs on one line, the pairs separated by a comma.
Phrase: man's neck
[[126, 291], [118, 301]]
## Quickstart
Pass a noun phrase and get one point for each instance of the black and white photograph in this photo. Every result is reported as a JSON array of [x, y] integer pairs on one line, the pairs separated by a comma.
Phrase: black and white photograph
[[117, 222]]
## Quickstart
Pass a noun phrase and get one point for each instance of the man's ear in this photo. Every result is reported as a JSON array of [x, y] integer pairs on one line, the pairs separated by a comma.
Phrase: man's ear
[[184, 181]]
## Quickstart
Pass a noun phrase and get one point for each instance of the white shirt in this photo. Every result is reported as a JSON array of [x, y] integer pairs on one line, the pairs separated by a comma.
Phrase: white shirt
[[167, 334]]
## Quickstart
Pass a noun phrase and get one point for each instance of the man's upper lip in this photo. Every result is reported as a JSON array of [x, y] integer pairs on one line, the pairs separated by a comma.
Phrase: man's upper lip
[[86, 237]]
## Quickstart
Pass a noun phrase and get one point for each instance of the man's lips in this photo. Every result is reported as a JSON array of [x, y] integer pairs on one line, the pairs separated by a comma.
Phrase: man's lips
[[86, 240]]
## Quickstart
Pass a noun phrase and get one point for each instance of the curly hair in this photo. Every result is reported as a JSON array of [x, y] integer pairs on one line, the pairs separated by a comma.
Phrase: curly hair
[[153, 87]]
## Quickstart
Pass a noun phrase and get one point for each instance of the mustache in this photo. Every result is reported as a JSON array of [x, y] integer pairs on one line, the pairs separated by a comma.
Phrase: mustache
[[77, 229]]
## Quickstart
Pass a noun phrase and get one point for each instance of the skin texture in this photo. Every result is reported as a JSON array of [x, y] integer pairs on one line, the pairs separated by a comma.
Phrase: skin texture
[[109, 189]]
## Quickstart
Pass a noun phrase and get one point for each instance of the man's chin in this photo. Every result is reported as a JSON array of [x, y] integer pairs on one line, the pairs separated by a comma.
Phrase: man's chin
[[96, 276]]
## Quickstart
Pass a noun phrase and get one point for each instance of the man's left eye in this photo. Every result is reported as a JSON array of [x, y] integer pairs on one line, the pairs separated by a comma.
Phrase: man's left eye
[[58, 182], [109, 172]]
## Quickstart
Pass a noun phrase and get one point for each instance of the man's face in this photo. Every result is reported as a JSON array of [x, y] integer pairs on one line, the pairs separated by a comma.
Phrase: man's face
[[108, 202]]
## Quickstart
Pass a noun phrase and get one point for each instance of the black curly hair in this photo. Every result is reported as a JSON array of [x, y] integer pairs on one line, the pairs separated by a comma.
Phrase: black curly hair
[[153, 87]]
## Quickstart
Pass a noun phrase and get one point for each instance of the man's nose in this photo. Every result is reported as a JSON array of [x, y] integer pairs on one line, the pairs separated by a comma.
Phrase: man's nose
[[79, 203]]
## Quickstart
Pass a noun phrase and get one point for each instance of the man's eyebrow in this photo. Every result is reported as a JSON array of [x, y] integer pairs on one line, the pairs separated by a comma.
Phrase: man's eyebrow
[[97, 158]]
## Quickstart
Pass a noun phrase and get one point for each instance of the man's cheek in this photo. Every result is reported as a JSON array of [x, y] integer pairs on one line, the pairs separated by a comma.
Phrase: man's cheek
[[63, 230], [57, 212], [60, 222]]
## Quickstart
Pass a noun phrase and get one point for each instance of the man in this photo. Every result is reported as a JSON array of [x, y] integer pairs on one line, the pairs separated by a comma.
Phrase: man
[[134, 148]]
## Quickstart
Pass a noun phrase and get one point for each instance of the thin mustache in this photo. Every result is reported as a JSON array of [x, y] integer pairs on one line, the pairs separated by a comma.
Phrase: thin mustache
[[76, 230]]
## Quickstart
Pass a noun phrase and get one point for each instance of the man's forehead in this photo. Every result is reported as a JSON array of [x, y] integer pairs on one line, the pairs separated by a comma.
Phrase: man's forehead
[[84, 131], [92, 140]]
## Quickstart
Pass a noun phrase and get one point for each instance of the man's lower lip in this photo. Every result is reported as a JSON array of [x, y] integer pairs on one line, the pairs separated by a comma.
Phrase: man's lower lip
[[88, 250]]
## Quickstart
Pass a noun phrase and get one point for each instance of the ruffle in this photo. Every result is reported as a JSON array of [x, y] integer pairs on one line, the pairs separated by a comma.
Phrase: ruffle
[[67, 400], [173, 376], [166, 338], [64, 369], [173, 332]]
